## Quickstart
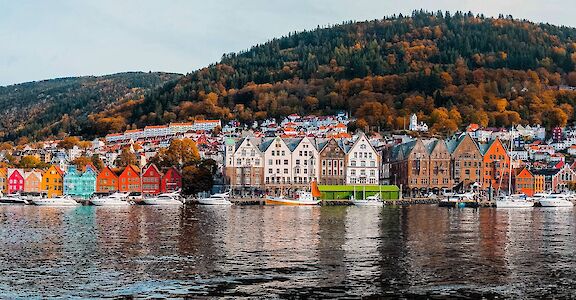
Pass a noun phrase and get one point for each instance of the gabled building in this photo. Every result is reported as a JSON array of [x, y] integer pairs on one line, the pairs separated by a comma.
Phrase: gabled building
[[171, 181], [129, 180], [32, 181], [525, 182], [106, 181], [151, 180], [410, 164], [3, 180], [362, 162], [495, 165], [244, 163], [332, 163], [52, 181], [278, 164], [466, 161], [304, 162], [80, 184], [15, 181], [440, 163]]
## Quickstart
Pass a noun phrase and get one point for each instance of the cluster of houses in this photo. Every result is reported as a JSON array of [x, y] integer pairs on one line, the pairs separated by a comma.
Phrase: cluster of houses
[[87, 181]]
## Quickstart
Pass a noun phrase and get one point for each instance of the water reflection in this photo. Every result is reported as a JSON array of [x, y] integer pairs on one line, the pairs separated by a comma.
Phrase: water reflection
[[285, 252]]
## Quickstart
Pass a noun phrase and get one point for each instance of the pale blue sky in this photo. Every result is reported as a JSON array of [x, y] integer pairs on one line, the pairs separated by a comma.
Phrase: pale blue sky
[[58, 38]]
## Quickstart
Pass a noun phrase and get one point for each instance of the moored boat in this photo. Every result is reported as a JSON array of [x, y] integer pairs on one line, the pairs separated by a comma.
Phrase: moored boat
[[514, 201], [115, 199], [216, 199], [55, 201], [12, 199], [301, 198], [555, 200], [164, 199]]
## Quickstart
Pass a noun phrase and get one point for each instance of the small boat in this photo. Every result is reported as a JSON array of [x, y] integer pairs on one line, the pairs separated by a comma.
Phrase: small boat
[[302, 198], [172, 198], [458, 200], [12, 199], [555, 200], [514, 201], [369, 201], [55, 201], [115, 199], [216, 199]]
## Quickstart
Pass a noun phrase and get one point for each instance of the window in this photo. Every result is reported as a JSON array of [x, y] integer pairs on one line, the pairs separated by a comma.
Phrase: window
[[285, 162]]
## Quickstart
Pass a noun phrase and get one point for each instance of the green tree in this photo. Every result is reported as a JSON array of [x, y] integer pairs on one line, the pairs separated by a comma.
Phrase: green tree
[[196, 179]]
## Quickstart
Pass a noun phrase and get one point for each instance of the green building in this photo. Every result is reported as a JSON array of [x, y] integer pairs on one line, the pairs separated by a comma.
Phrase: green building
[[80, 184], [344, 192]]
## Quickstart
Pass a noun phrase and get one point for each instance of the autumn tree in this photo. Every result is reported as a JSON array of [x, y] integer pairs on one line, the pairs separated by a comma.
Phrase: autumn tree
[[81, 162], [196, 179], [179, 154], [69, 142], [126, 158], [30, 161]]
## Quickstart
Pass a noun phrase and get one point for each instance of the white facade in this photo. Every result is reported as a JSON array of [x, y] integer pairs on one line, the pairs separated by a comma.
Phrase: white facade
[[176, 128], [305, 160], [206, 125], [155, 131], [362, 163], [415, 126], [278, 163]]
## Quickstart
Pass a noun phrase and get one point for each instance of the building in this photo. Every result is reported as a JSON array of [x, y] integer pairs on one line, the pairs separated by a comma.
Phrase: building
[[52, 181], [525, 182], [244, 163], [278, 164], [466, 161], [206, 125], [80, 184], [415, 126], [3, 180], [440, 165], [151, 180], [410, 164], [129, 180], [32, 181], [106, 181], [15, 181], [171, 181], [332, 163], [495, 165], [362, 162], [304, 161]]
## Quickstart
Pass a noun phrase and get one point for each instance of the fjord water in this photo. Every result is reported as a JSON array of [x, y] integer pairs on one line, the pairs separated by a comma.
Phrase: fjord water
[[286, 251]]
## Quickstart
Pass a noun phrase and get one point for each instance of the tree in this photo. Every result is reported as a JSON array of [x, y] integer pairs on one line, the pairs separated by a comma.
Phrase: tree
[[69, 142], [97, 162], [29, 162], [180, 153], [126, 158], [81, 162], [196, 179]]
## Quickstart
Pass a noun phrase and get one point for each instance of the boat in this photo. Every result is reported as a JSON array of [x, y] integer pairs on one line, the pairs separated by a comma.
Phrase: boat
[[216, 199], [55, 201], [172, 198], [301, 198], [115, 199], [373, 200], [12, 199], [514, 201], [555, 200], [458, 200]]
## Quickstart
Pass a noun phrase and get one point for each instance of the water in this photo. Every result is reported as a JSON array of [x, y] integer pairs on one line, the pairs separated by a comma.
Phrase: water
[[286, 252]]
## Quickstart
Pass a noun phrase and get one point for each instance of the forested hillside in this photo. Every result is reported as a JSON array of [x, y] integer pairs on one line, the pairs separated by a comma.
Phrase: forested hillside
[[59, 107], [450, 69]]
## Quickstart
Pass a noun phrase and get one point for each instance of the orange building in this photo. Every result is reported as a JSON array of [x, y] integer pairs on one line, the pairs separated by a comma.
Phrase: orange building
[[107, 181], [129, 180], [495, 164], [525, 182], [53, 181]]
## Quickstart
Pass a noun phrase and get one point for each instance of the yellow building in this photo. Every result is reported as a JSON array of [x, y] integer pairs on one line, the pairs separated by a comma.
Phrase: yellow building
[[52, 181], [538, 184], [3, 180]]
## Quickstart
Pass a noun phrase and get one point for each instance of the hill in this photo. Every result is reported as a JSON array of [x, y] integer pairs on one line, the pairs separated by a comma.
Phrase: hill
[[57, 107], [450, 69]]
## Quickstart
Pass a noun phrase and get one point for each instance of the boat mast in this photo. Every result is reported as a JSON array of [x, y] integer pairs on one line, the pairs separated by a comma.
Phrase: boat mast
[[510, 162]]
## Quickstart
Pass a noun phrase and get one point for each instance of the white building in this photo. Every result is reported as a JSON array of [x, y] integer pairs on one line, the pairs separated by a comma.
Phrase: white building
[[206, 125], [415, 126], [156, 131], [277, 163], [244, 163], [305, 160], [176, 128], [362, 162]]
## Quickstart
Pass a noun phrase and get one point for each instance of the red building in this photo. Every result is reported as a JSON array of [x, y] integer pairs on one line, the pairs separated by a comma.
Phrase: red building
[[151, 180], [171, 181], [15, 181]]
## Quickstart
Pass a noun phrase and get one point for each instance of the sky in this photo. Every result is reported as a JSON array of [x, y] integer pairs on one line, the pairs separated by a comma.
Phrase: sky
[[60, 38]]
